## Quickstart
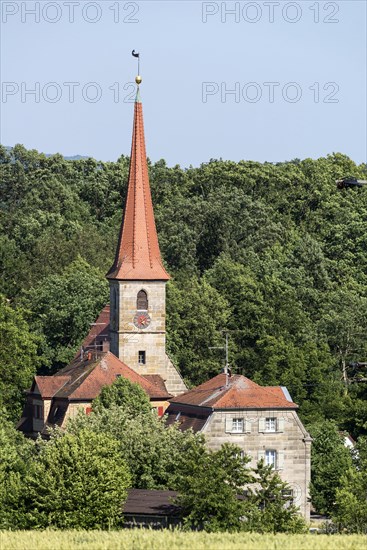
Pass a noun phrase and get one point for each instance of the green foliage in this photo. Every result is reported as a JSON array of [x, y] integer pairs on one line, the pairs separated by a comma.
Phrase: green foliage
[[77, 482], [15, 456], [269, 508], [62, 308], [330, 459], [272, 252], [209, 486], [153, 453], [350, 511], [123, 393], [18, 357], [196, 314]]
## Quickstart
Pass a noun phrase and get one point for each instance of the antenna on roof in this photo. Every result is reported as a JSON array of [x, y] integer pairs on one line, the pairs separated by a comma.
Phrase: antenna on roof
[[227, 370]]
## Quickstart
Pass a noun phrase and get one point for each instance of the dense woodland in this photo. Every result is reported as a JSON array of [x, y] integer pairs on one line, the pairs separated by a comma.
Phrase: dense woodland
[[274, 254]]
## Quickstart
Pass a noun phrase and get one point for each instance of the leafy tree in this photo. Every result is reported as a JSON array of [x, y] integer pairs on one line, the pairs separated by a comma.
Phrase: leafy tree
[[269, 506], [345, 324], [18, 357], [350, 512], [62, 308], [77, 482], [209, 489], [154, 454], [123, 393], [196, 317], [15, 456], [330, 459]]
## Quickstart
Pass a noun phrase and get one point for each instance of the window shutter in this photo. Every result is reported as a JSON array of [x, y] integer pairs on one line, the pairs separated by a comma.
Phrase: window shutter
[[280, 425], [280, 460], [261, 455], [228, 424], [261, 424], [247, 426]]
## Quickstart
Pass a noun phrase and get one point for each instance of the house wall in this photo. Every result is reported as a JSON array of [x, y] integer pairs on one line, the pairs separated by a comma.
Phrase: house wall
[[73, 409], [292, 444]]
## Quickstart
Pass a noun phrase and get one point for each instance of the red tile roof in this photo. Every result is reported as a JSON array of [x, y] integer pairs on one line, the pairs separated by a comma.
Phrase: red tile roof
[[87, 378], [240, 393], [138, 256], [99, 332], [49, 385], [157, 380]]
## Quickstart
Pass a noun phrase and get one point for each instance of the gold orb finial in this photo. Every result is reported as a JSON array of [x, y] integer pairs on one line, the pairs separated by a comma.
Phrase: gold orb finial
[[138, 79]]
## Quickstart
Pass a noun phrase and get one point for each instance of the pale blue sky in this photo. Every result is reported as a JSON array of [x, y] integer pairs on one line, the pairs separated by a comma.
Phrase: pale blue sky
[[179, 53]]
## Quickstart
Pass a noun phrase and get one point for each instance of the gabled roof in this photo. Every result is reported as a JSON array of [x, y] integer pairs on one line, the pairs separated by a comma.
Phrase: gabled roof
[[239, 393], [138, 256], [48, 385], [87, 377]]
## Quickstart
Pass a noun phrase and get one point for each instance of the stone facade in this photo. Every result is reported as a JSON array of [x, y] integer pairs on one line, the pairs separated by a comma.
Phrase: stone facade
[[127, 341], [287, 438]]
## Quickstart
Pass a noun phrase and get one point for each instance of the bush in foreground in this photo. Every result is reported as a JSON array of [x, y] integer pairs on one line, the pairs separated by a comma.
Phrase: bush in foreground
[[77, 482]]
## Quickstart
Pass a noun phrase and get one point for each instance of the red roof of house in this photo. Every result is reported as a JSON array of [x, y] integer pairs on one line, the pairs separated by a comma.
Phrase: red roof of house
[[49, 385], [99, 331], [138, 256], [88, 376], [240, 393]]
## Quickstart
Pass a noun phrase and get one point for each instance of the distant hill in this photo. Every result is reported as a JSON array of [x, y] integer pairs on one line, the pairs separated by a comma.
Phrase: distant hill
[[74, 157]]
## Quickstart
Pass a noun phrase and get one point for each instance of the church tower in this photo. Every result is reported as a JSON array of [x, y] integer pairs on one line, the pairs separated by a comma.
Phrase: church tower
[[138, 278]]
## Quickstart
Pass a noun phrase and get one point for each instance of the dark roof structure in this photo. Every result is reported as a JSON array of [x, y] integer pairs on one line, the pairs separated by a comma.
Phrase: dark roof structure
[[150, 502], [151, 508]]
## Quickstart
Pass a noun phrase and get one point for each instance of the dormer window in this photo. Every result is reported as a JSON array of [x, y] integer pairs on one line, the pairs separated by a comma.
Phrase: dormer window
[[142, 300]]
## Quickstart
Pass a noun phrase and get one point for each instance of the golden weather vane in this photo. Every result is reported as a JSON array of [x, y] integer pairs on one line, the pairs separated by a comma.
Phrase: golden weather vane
[[138, 78]]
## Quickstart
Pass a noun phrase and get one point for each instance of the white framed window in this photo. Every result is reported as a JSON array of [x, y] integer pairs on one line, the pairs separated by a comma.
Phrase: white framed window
[[142, 357], [237, 425], [273, 458], [270, 424]]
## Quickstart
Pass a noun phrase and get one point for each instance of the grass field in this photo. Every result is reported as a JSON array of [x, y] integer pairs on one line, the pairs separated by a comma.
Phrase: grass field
[[167, 540]]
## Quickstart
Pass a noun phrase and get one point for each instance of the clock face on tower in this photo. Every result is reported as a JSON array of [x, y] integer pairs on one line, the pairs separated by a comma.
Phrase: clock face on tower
[[142, 320]]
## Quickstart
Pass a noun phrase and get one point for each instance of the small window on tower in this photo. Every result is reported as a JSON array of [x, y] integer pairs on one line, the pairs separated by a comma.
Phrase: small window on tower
[[142, 300], [141, 358]]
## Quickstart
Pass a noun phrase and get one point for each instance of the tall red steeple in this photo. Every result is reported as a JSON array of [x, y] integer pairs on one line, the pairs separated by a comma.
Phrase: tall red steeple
[[138, 256]]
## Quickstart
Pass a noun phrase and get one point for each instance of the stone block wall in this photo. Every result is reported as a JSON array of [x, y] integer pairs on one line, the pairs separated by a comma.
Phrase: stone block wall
[[291, 443]]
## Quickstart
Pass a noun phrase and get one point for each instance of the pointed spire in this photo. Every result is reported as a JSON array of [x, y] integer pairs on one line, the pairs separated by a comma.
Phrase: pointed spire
[[138, 255]]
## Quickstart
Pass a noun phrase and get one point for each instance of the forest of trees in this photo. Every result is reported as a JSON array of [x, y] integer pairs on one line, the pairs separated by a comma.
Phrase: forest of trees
[[273, 254]]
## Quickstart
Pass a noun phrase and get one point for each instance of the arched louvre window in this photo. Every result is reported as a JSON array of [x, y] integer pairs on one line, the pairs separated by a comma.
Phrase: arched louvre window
[[142, 300]]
